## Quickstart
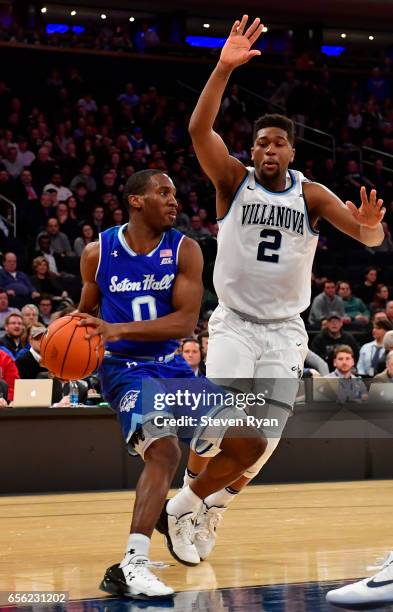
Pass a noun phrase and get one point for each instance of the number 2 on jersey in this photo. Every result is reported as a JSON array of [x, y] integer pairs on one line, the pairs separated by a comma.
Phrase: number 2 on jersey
[[144, 300], [268, 245]]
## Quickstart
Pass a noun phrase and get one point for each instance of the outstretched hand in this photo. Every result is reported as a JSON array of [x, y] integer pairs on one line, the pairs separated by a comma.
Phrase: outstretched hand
[[370, 213], [237, 49]]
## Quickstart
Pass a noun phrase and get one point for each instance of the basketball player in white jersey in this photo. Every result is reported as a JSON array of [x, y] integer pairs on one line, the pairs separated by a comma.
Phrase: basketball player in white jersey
[[267, 217]]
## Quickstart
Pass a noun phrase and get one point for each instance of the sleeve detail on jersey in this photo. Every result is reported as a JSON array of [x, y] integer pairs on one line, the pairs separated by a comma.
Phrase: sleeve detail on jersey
[[178, 250], [99, 258], [307, 215]]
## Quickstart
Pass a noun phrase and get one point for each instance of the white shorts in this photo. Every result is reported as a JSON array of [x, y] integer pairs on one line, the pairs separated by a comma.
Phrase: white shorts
[[262, 352]]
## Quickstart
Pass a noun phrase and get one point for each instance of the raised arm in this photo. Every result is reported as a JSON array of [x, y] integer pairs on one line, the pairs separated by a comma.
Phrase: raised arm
[[363, 224], [225, 171], [186, 301]]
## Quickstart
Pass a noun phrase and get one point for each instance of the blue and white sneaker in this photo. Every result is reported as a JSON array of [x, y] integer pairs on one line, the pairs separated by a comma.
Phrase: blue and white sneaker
[[371, 591]]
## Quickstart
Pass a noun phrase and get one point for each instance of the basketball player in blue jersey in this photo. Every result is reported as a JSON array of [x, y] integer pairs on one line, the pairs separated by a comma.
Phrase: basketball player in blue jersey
[[267, 216], [145, 278]]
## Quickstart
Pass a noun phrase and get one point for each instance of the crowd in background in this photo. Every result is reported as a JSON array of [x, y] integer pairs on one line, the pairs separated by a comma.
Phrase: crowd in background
[[67, 152]]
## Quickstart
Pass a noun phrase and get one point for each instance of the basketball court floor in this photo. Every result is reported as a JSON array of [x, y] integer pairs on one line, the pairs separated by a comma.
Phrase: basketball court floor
[[280, 547]]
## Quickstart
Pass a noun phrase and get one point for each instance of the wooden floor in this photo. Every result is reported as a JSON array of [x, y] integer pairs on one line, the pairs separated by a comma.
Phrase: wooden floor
[[271, 535]]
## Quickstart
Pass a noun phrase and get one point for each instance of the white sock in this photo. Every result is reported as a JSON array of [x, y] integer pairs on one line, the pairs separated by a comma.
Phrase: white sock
[[184, 502], [188, 477], [138, 545], [221, 498]]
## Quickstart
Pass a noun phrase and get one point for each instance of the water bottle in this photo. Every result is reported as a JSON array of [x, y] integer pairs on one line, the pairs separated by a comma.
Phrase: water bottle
[[74, 394]]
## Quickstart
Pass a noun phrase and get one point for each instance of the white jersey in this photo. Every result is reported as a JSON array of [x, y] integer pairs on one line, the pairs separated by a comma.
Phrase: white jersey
[[266, 248]]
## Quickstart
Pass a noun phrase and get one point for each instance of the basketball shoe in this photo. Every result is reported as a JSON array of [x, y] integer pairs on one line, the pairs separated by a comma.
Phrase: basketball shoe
[[372, 591], [179, 535], [205, 529], [135, 580]]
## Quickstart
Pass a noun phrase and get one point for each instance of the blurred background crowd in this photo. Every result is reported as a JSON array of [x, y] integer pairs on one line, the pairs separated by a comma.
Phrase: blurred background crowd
[[73, 130]]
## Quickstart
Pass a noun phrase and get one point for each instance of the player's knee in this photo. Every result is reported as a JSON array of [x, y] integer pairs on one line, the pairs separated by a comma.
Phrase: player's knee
[[256, 467], [165, 452], [249, 450], [257, 446]]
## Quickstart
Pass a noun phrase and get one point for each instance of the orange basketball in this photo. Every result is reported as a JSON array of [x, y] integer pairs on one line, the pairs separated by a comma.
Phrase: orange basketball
[[66, 352]]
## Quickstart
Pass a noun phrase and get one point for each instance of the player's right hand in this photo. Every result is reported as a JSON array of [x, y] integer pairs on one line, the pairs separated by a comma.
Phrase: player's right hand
[[109, 332], [237, 49]]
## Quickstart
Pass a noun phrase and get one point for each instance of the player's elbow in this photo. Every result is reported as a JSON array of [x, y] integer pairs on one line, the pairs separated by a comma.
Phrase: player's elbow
[[193, 129], [196, 128], [187, 326]]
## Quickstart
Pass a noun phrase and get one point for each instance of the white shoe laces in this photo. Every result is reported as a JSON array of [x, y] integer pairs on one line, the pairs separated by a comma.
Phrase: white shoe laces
[[141, 568], [184, 529], [208, 524]]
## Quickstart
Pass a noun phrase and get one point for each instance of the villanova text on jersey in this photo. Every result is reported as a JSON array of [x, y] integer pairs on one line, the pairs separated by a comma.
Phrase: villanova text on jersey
[[265, 251], [273, 215], [137, 287]]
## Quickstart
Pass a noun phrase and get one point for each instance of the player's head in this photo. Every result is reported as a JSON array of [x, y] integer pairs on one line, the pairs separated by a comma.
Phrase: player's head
[[273, 150], [151, 195], [343, 358]]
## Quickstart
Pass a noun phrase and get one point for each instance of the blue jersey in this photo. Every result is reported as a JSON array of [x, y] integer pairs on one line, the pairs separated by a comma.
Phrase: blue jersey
[[137, 287]]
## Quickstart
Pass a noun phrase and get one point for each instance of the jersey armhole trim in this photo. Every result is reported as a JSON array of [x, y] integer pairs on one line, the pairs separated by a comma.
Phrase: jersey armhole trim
[[306, 214], [178, 249], [99, 257], [241, 185]]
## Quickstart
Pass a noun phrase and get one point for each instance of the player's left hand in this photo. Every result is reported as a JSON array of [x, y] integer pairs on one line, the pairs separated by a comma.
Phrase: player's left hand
[[370, 213], [109, 332]]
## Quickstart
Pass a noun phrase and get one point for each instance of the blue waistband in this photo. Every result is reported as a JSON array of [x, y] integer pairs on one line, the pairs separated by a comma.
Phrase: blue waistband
[[157, 358]]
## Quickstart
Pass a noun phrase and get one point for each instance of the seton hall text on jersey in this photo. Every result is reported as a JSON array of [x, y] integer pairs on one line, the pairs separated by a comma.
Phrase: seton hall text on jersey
[[149, 283], [272, 215]]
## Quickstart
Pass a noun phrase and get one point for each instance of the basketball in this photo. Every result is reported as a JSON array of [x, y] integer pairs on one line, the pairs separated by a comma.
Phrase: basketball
[[67, 353]]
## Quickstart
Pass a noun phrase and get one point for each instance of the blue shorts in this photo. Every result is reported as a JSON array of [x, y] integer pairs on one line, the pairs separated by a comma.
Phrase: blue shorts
[[131, 386]]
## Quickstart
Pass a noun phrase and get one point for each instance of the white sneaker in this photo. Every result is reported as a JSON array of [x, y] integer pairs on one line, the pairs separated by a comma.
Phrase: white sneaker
[[179, 535], [135, 580], [374, 590], [205, 529]]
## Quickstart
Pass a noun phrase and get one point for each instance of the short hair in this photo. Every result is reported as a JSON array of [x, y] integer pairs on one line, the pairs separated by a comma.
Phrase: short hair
[[383, 324], [191, 339], [343, 282], [369, 269], [388, 340], [138, 182], [2, 290], [328, 281], [30, 307], [275, 120], [203, 334], [12, 314], [39, 260], [46, 297], [44, 235], [343, 348], [9, 253]]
